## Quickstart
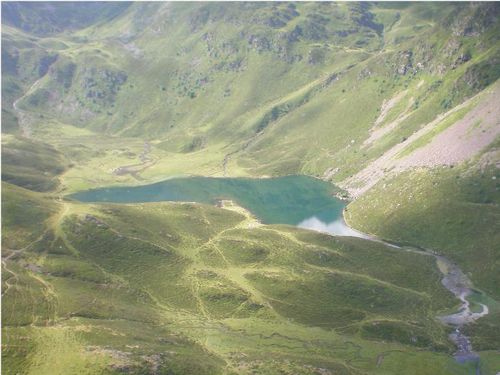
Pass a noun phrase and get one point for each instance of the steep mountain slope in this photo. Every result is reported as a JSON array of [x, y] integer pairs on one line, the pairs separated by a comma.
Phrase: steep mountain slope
[[206, 76], [48, 18], [396, 103], [228, 89]]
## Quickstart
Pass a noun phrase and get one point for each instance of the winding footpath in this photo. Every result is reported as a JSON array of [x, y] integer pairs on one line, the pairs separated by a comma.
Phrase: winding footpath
[[457, 283]]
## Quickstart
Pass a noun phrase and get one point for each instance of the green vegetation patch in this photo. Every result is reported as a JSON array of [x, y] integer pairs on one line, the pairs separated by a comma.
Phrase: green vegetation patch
[[24, 216], [400, 332], [137, 261], [30, 164]]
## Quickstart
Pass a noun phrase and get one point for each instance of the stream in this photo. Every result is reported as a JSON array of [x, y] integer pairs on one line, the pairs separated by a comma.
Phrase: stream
[[134, 169], [457, 283]]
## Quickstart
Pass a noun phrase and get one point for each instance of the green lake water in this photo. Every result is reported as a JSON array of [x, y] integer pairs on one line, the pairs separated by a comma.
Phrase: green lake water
[[295, 200]]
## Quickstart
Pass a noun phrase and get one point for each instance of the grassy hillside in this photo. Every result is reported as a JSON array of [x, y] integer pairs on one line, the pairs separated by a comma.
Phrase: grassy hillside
[[30, 164], [453, 212], [133, 287], [47, 18], [247, 89]]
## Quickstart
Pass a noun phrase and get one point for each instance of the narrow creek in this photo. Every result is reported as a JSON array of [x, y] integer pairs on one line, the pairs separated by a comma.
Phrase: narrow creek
[[460, 285], [457, 283]]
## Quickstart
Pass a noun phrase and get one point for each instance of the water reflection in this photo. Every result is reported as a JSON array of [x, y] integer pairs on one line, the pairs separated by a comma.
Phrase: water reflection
[[337, 227]]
